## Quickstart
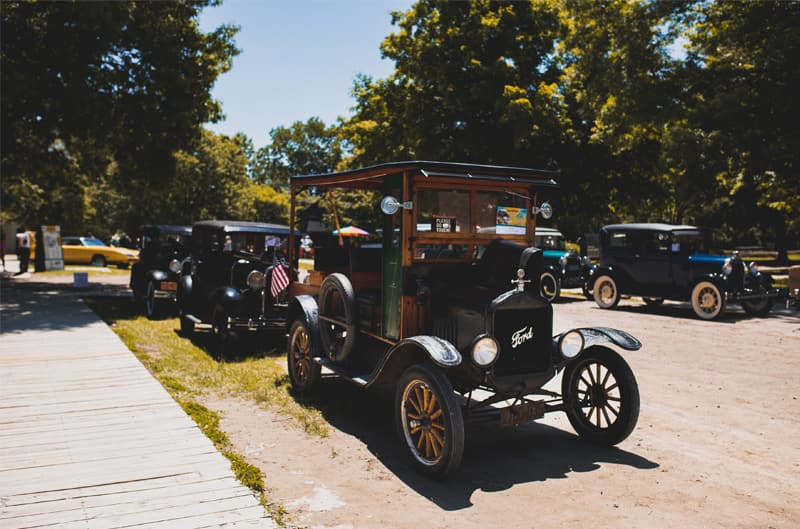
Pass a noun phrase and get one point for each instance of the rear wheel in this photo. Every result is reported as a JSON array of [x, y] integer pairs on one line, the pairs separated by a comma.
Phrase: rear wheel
[[549, 286], [304, 373], [708, 302], [601, 396], [429, 420], [605, 292]]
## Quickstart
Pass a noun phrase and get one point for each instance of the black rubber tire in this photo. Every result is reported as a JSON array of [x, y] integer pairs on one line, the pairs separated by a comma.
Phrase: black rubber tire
[[304, 373], [605, 292], [99, 260], [601, 370], [223, 336], [152, 308], [187, 325], [653, 302], [708, 302], [549, 286], [338, 340], [440, 427]]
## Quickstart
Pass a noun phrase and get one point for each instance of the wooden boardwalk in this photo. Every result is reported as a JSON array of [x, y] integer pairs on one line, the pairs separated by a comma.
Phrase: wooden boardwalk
[[89, 439]]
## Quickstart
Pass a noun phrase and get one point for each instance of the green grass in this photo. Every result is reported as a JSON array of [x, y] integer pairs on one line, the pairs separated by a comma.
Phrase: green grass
[[188, 372]]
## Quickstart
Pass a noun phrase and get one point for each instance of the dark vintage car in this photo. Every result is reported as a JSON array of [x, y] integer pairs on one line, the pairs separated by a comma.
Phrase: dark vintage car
[[562, 268], [664, 261], [163, 255], [450, 313], [230, 288]]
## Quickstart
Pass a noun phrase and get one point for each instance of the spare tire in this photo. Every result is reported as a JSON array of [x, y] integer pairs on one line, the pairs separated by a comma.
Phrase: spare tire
[[337, 317]]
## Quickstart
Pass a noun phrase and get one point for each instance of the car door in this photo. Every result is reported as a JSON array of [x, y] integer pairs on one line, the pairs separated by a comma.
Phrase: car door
[[652, 268]]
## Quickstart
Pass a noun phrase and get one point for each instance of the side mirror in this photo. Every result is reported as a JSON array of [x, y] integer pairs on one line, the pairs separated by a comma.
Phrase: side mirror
[[390, 205]]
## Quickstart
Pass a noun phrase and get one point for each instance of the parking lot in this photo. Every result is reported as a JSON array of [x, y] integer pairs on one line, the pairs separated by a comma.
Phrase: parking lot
[[716, 444]]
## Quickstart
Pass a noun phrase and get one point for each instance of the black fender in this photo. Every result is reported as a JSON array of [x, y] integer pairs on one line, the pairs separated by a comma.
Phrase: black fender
[[717, 279], [228, 296], [415, 350], [304, 307], [597, 335], [156, 275], [553, 270], [598, 271], [185, 293], [760, 278]]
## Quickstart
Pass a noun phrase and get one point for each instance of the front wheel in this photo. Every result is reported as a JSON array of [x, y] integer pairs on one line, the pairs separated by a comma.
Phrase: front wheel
[[605, 292], [98, 260], [151, 308], [304, 373], [549, 286], [601, 396], [221, 329], [429, 420], [708, 302]]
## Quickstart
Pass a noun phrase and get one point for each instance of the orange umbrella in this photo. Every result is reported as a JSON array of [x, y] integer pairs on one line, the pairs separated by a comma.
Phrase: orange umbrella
[[351, 231]]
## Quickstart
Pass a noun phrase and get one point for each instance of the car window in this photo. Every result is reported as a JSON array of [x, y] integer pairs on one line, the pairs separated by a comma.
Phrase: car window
[[688, 243], [443, 211], [91, 241], [503, 211], [71, 241], [550, 242]]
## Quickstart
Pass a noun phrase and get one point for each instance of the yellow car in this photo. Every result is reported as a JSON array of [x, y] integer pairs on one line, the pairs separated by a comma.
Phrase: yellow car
[[89, 250]]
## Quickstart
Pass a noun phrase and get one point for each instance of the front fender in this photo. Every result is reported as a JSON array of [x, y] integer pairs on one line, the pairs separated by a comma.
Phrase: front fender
[[598, 271], [596, 335], [414, 350], [228, 296], [185, 293], [305, 307]]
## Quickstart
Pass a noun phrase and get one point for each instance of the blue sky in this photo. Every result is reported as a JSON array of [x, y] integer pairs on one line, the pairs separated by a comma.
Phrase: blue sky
[[299, 59]]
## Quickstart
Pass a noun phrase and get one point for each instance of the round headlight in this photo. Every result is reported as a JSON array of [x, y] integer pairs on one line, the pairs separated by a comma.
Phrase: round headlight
[[727, 268], [484, 351], [174, 266], [571, 344], [753, 267], [256, 280]]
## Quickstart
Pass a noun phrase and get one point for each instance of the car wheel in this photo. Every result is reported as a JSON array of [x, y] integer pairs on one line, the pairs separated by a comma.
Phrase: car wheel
[[707, 300], [601, 396], [605, 292], [304, 373], [758, 308], [337, 317], [98, 260], [221, 329], [653, 302], [151, 308], [549, 286], [187, 325], [429, 420], [588, 294]]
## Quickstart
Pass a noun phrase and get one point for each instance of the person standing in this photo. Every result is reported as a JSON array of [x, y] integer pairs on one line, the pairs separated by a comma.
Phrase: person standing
[[23, 249]]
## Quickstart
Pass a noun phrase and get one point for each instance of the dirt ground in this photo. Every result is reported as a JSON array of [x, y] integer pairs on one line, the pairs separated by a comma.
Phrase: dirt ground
[[716, 445]]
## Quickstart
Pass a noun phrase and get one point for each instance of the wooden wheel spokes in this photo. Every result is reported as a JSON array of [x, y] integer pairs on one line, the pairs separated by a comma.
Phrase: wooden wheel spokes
[[599, 397], [424, 420], [300, 354]]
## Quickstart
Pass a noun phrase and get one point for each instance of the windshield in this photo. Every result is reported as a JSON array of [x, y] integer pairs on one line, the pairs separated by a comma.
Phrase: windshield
[[91, 241], [449, 211], [255, 243], [550, 242]]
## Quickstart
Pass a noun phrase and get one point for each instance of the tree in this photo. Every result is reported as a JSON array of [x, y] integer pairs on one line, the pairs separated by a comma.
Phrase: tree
[[302, 148], [473, 81], [91, 85], [744, 78]]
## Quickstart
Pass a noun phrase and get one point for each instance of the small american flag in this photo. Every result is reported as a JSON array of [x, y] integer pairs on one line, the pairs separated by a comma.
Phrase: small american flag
[[280, 280]]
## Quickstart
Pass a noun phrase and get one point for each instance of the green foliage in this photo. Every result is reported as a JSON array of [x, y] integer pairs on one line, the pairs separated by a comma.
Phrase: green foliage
[[303, 148], [88, 85]]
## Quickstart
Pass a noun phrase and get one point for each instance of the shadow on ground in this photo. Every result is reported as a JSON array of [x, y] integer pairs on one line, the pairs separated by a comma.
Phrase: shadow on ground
[[495, 458]]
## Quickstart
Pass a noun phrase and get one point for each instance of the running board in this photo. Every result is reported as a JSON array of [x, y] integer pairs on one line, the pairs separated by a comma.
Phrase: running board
[[339, 371]]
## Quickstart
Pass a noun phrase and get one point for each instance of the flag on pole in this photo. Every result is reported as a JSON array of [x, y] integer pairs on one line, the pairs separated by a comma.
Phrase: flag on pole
[[280, 280]]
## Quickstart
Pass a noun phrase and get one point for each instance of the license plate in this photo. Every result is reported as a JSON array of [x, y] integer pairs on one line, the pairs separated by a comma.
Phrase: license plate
[[524, 412], [169, 285]]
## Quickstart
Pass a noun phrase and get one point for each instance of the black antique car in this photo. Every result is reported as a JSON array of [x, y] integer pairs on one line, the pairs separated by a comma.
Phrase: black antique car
[[450, 312], [562, 268], [237, 281], [664, 261], [163, 255]]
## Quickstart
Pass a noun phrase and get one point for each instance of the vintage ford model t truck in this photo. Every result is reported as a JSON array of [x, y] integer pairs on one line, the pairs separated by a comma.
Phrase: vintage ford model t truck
[[449, 312]]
